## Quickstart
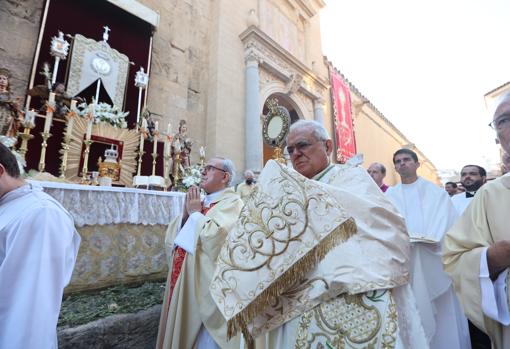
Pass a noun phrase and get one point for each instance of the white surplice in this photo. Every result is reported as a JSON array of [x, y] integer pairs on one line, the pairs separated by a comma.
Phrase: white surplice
[[429, 213], [38, 248], [461, 202]]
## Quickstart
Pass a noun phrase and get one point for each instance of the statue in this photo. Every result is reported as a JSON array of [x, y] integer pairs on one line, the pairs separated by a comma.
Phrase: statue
[[62, 98], [9, 110], [181, 146]]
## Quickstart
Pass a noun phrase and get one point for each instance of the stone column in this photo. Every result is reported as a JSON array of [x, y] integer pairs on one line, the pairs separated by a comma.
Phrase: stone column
[[318, 110], [253, 152]]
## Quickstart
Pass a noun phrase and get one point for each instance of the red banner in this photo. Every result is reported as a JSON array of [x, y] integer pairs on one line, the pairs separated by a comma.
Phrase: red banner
[[344, 130]]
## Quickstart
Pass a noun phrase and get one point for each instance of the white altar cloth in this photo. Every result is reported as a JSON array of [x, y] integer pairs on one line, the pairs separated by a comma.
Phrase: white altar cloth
[[94, 205]]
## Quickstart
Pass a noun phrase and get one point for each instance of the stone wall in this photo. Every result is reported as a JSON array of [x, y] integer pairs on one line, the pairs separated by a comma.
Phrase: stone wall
[[179, 70], [18, 39]]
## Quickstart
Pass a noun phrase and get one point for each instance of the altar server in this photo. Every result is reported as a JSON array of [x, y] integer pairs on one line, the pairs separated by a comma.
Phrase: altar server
[[38, 249], [429, 213], [189, 318]]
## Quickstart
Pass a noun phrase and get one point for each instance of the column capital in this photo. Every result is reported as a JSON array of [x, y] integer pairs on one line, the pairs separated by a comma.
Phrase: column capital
[[252, 58], [318, 102]]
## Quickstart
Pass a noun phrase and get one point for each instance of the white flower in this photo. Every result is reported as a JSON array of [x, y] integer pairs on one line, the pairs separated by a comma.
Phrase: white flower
[[192, 176], [103, 112]]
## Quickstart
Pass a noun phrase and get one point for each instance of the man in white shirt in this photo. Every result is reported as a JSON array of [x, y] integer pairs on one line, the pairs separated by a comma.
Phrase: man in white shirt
[[476, 250], [38, 249], [451, 188], [429, 213], [472, 178]]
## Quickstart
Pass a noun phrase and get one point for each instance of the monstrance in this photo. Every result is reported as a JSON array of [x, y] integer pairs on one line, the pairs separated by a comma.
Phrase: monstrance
[[275, 128]]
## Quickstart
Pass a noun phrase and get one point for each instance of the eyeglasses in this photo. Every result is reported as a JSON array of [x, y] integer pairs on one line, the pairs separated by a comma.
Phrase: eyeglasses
[[208, 168], [501, 122], [300, 146]]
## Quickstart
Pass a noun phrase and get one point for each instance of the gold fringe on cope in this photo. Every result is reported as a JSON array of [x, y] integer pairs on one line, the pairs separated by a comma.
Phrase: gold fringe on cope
[[240, 321]]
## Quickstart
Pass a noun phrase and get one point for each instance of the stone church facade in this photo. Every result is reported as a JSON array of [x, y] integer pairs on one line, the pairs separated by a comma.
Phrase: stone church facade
[[215, 63]]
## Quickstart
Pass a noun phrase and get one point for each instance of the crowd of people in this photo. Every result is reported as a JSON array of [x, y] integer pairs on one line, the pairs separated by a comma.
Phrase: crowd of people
[[409, 266]]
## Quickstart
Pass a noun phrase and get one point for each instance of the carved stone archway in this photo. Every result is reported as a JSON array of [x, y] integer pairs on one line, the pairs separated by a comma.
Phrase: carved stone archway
[[272, 69]]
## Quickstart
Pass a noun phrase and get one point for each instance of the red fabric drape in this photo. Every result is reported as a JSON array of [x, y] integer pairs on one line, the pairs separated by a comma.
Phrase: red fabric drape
[[344, 129]]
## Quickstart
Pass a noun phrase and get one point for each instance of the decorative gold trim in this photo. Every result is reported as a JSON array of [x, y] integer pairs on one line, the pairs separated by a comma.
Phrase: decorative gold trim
[[240, 321], [127, 158]]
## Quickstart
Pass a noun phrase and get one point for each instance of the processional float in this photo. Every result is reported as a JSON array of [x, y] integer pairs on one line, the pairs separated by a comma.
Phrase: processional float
[[96, 62]]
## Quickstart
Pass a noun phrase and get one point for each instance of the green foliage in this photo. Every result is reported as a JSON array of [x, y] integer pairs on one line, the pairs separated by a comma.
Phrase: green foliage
[[83, 308]]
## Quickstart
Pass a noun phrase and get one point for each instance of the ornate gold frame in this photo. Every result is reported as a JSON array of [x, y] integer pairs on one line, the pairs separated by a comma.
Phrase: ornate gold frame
[[275, 111], [127, 158]]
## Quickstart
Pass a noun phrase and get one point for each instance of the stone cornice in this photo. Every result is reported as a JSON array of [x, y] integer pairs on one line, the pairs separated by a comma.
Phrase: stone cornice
[[139, 10], [308, 7], [270, 55]]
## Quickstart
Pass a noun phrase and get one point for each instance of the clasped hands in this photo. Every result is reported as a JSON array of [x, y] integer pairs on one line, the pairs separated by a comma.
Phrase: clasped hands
[[192, 203]]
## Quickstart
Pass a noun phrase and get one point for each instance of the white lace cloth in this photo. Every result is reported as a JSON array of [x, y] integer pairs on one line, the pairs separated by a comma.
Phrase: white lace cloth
[[93, 205]]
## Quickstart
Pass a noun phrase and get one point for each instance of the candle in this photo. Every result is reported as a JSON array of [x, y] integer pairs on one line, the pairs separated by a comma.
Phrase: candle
[[70, 122], [156, 124], [155, 142], [49, 116], [30, 118], [202, 151], [47, 122], [169, 129]]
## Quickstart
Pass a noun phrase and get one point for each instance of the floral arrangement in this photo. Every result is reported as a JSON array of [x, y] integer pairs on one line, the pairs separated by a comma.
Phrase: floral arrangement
[[103, 112], [192, 176]]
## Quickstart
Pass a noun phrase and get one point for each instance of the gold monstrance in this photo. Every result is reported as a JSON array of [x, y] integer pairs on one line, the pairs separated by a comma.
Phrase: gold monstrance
[[275, 128]]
